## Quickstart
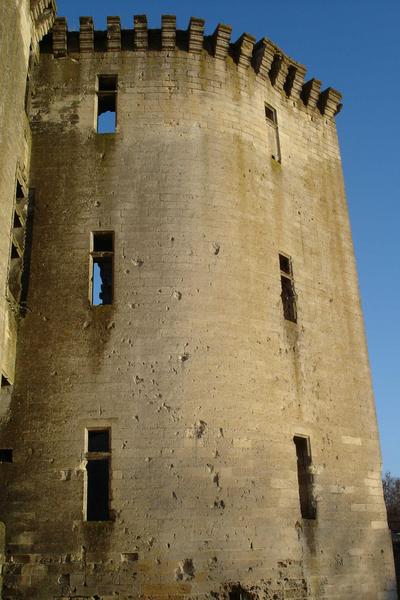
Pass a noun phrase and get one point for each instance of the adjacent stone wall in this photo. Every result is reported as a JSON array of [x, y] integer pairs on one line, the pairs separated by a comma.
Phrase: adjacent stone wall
[[193, 367], [15, 37], [22, 25]]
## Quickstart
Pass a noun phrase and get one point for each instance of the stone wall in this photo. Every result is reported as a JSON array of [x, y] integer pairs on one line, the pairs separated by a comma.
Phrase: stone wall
[[193, 367], [22, 24], [15, 37]]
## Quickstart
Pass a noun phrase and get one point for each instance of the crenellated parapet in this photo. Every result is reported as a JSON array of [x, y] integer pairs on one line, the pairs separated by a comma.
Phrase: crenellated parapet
[[265, 58]]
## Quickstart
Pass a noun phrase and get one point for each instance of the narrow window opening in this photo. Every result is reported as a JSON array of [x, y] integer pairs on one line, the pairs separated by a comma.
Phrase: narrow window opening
[[102, 259], [304, 477], [288, 293], [237, 593], [99, 440], [98, 475], [97, 490], [270, 114], [103, 242], [17, 221], [107, 103], [28, 86], [14, 251], [4, 381], [284, 263], [27, 99], [107, 83], [6, 455], [17, 246], [19, 192], [273, 133]]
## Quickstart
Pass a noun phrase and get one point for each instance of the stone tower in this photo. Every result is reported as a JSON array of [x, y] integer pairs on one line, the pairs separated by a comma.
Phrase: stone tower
[[191, 414]]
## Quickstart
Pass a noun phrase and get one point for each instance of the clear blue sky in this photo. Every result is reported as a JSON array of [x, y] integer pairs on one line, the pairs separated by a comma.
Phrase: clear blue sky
[[354, 46]]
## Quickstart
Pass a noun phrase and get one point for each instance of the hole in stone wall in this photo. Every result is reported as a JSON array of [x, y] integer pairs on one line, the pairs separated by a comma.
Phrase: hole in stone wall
[[103, 242], [17, 221], [284, 263], [99, 440], [97, 490], [6, 455], [288, 293], [270, 113], [4, 381], [305, 479], [238, 593], [107, 103], [102, 257], [14, 251], [272, 132], [19, 193], [102, 281], [107, 83], [98, 474]]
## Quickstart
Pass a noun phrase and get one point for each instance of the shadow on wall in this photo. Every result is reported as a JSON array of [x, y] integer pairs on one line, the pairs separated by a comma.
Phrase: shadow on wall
[[2, 553]]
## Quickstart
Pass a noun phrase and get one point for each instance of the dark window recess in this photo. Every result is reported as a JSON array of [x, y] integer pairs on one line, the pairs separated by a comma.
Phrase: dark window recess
[[99, 440], [17, 221], [107, 83], [284, 263], [4, 381], [18, 234], [288, 293], [237, 593], [102, 257], [270, 114], [6, 455], [107, 103], [102, 280], [305, 478], [14, 251], [103, 242], [98, 474], [19, 193], [25, 276], [273, 133], [28, 86]]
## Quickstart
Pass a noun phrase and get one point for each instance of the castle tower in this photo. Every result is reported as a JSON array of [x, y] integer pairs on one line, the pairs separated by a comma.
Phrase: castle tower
[[192, 413]]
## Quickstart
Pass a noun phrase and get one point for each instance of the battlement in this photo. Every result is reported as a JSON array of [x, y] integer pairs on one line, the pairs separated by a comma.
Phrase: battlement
[[266, 59]]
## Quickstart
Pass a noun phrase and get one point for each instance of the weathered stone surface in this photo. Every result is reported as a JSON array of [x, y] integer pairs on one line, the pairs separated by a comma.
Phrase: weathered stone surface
[[201, 380]]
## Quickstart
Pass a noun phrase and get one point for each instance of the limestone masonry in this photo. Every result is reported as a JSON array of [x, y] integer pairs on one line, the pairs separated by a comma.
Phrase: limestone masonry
[[186, 409]]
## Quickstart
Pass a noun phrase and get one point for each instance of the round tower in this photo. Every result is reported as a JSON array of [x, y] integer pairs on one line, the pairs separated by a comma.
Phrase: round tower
[[192, 415]]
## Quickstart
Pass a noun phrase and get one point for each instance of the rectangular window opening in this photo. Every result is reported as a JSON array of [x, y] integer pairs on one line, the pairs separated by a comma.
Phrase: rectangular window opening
[[107, 83], [99, 440], [98, 474], [304, 477], [103, 242], [102, 264], [270, 114], [107, 103], [284, 263], [273, 133], [288, 293], [6, 455]]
